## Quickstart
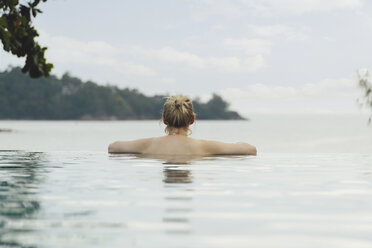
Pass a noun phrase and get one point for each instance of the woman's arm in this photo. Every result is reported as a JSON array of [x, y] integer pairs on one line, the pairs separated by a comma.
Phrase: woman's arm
[[134, 146], [216, 147]]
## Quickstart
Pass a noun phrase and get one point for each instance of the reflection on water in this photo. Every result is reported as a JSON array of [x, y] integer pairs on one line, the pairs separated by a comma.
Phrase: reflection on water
[[178, 198], [167, 159], [20, 176], [177, 159], [174, 175]]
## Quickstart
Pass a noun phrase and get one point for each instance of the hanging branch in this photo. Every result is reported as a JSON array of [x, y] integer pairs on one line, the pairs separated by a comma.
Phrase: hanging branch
[[18, 35], [364, 81]]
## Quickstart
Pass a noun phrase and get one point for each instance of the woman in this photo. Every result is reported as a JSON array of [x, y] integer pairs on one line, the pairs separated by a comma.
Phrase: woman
[[178, 115]]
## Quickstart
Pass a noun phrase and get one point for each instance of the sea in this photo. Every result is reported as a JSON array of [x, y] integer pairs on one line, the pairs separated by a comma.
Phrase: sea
[[309, 186]]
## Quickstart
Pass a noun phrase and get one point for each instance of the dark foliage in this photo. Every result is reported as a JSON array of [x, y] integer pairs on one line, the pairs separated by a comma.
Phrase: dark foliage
[[68, 98], [215, 109], [366, 84], [18, 35]]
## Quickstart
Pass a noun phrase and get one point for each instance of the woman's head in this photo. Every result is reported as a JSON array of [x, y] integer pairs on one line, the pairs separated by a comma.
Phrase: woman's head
[[178, 112]]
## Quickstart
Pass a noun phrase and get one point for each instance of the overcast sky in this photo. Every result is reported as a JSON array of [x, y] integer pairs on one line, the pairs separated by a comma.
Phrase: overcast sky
[[263, 56]]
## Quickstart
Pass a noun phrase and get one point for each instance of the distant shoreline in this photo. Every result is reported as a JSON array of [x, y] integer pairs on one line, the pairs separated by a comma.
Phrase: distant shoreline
[[5, 130], [69, 98], [108, 120]]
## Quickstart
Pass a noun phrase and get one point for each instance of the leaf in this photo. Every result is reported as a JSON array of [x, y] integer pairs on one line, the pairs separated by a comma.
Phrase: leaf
[[25, 12]]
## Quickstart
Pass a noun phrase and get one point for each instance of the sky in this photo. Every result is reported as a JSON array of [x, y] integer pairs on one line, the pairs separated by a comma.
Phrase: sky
[[262, 56]]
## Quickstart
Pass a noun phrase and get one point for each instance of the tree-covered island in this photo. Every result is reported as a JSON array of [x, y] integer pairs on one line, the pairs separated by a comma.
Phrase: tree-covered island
[[69, 98]]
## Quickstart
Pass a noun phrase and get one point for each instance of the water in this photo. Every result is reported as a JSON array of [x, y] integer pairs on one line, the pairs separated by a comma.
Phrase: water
[[270, 133], [310, 186], [82, 199]]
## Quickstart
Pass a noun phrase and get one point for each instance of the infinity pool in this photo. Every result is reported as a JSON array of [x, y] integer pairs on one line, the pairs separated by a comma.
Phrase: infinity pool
[[92, 199]]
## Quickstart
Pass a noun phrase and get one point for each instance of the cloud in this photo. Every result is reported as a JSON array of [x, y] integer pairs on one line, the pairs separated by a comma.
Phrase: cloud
[[8, 59], [326, 96], [326, 88], [170, 54], [250, 46], [68, 52], [278, 30], [234, 64], [130, 68], [203, 9], [167, 81], [268, 30], [306, 6], [225, 64]]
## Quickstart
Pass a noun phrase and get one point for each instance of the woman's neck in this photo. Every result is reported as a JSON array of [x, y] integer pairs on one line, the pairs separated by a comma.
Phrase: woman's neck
[[178, 131]]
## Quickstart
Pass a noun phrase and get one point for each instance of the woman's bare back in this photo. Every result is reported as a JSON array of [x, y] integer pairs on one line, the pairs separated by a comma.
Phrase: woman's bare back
[[181, 145], [174, 144]]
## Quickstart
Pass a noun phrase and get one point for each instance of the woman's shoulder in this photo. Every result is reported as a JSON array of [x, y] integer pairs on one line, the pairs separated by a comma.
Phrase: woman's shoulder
[[132, 146], [218, 147]]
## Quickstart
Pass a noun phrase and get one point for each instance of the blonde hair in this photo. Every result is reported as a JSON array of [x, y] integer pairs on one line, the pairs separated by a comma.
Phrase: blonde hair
[[178, 112]]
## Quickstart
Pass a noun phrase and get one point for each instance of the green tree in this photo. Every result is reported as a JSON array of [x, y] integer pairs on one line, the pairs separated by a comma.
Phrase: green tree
[[366, 85], [18, 35], [215, 109], [69, 98]]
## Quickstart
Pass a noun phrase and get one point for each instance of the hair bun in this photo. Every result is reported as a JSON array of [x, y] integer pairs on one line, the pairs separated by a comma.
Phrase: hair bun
[[177, 104], [178, 112]]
